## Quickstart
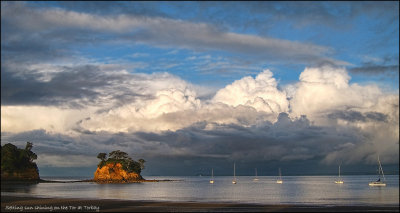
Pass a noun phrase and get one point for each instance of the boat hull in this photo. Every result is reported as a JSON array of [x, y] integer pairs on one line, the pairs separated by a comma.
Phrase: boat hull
[[279, 181], [377, 184], [339, 182]]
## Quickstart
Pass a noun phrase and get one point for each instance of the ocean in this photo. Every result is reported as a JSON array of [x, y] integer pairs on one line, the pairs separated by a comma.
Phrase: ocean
[[304, 190]]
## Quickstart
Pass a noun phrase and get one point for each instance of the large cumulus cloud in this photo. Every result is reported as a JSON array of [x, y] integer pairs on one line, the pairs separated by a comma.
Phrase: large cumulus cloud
[[261, 93], [323, 118]]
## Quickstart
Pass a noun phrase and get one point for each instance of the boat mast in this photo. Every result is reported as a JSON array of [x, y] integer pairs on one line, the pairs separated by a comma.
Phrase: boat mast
[[234, 171], [380, 169], [339, 171], [280, 175]]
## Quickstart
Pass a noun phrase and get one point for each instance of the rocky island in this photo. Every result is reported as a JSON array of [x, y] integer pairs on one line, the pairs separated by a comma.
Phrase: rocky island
[[17, 164], [118, 168]]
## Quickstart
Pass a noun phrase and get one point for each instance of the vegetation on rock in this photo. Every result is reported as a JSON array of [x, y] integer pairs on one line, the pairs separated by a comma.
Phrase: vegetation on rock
[[118, 167], [17, 164]]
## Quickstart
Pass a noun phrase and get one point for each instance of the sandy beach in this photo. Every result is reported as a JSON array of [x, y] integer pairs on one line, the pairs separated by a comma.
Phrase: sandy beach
[[34, 204]]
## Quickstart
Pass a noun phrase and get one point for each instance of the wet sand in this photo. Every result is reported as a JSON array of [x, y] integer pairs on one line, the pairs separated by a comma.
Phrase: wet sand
[[34, 204]]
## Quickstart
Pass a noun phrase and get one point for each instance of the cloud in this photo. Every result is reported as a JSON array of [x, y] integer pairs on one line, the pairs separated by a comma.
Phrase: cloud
[[260, 93], [375, 69], [78, 86], [226, 13], [327, 89], [246, 102], [57, 27], [45, 160], [108, 97], [61, 85], [324, 119], [358, 116], [286, 140], [327, 98]]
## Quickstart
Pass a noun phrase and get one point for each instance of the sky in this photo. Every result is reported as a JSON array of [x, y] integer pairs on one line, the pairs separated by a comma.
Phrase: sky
[[190, 86]]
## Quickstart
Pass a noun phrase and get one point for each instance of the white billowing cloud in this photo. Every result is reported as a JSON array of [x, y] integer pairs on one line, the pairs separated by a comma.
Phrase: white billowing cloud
[[326, 89], [172, 104], [325, 95], [26, 118], [171, 100], [143, 115], [326, 75], [261, 93], [158, 94]]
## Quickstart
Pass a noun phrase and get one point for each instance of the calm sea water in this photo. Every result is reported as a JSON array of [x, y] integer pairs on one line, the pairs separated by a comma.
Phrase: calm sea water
[[315, 190]]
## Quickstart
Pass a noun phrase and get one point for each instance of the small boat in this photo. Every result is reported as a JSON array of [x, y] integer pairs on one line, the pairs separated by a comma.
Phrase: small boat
[[212, 176], [234, 174], [379, 182], [256, 178], [339, 181], [280, 177]]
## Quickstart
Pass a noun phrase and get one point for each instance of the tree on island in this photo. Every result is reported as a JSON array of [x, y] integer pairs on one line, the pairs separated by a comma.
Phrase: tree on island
[[16, 162], [118, 156]]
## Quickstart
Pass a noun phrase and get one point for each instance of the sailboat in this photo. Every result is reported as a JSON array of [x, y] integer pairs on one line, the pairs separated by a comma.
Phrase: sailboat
[[379, 182], [339, 181], [255, 179], [234, 174], [280, 177], [212, 176]]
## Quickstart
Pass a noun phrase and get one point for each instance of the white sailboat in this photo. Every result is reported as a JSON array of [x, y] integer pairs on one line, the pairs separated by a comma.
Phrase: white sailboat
[[379, 182], [234, 174], [256, 178], [339, 181], [212, 176], [280, 177]]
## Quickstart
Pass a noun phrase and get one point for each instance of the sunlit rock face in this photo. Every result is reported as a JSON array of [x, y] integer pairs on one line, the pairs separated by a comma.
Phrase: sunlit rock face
[[114, 173], [31, 174]]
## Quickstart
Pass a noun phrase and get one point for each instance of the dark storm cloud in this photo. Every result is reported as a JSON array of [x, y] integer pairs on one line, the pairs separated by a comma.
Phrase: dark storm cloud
[[387, 65], [69, 86], [283, 140], [188, 151], [375, 69], [355, 116]]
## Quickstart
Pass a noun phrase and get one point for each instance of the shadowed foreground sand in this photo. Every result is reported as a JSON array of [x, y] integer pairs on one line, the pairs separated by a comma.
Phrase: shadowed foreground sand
[[31, 204]]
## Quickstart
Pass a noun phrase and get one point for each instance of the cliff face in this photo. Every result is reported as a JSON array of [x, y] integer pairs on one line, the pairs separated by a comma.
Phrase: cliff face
[[114, 173], [31, 174]]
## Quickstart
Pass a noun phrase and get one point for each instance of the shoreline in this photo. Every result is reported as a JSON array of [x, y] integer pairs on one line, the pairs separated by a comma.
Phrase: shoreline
[[37, 204], [80, 181]]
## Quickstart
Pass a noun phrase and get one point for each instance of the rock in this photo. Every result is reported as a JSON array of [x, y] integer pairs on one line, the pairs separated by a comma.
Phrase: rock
[[114, 173], [31, 174], [17, 164]]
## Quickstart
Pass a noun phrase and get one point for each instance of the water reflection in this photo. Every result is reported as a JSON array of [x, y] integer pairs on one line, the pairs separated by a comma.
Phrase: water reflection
[[294, 190], [18, 187]]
